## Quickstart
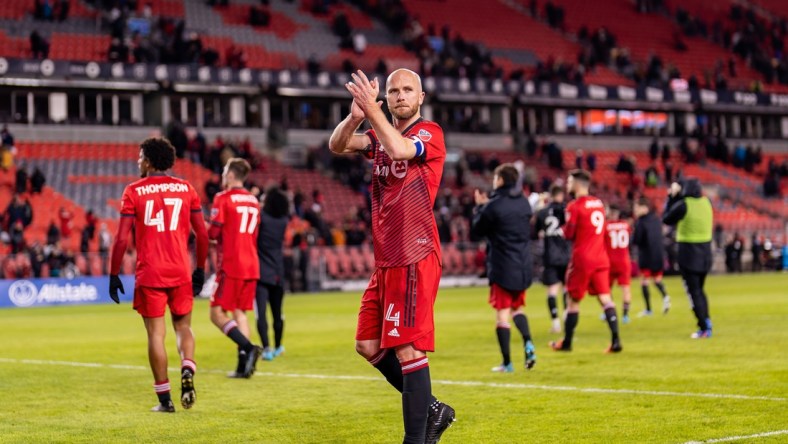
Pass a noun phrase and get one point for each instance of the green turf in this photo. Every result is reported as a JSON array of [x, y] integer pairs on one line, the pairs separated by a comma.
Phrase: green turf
[[51, 402]]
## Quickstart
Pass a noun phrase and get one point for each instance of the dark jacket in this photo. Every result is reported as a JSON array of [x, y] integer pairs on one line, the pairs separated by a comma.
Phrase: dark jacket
[[692, 257], [648, 239], [270, 238], [505, 221]]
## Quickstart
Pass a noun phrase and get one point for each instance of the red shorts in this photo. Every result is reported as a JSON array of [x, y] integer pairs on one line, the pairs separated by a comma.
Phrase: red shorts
[[150, 302], [397, 305], [646, 273], [501, 298], [580, 281], [233, 294], [621, 273]]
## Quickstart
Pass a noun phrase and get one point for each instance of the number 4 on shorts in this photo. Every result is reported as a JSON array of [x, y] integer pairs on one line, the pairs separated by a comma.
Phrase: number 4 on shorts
[[394, 318]]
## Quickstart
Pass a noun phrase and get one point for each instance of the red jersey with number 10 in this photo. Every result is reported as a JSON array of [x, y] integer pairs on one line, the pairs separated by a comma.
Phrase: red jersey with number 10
[[585, 226], [237, 212], [403, 194], [618, 235], [161, 206]]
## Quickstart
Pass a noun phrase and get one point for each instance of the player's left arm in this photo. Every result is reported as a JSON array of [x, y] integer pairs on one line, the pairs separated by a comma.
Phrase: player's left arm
[[201, 234], [570, 228]]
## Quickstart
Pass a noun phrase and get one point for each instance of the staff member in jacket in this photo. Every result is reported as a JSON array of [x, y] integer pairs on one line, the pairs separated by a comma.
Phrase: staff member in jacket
[[503, 218], [691, 212], [270, 287]]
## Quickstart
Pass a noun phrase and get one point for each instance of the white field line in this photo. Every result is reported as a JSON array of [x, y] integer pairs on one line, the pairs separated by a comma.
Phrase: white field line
[[737, 438], [502, 385]]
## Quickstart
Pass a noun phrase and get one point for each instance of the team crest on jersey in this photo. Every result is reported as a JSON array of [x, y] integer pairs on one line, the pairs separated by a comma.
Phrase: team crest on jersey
[[214, 212], [424, 135], [399, 169]]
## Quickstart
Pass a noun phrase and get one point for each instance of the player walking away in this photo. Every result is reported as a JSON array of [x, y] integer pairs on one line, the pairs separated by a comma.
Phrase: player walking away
[[270, 287], [160, 207], [395, 323], [234, 222], [692, 214], [651, 252], [618, 233], [550, 221], [500, 218], [589, 267]]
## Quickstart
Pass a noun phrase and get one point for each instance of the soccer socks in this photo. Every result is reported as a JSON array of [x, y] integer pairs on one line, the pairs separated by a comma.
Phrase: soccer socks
[[162, 389], [188, 364], [387, 364], [416, 399], [626, 308], [569, 328], [521, 322], [552, 305], [646, 296], [612, 320], [502, 330], [231, 330], [661, 288]]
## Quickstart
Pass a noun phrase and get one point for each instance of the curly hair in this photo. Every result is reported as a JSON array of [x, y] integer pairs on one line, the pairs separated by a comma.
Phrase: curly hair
[[276, 203], [159, 152]]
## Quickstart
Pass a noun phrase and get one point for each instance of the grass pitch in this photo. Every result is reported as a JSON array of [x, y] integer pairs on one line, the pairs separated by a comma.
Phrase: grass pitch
[[80, 374]]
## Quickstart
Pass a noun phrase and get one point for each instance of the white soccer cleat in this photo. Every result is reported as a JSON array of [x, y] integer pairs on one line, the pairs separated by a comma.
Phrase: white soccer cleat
[[556, 328], [665, 305]]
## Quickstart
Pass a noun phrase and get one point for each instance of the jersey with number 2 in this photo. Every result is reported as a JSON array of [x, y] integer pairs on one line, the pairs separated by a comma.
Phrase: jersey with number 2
[[585, 226], [238, 213], [161, 206]]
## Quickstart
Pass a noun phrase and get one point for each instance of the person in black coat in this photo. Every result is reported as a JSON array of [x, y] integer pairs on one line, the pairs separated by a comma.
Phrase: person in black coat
[[651, 252], [270, 286], [503, 218]]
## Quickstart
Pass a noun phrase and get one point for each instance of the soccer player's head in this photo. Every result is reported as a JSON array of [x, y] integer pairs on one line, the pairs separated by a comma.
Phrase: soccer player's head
[[556, 193], [642, 206], [276, 203], [505, 175], [156, 154], [578, 182], [613, 212], [404, 95], [236, 170]]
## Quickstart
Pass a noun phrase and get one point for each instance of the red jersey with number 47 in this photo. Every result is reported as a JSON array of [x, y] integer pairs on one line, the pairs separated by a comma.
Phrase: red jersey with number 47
[[161, 206], [403, 194], [618, 234], [585, 227], [237, 212]]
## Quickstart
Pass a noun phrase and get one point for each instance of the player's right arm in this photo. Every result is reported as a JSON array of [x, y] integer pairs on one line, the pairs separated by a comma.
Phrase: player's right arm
[[344, 139]]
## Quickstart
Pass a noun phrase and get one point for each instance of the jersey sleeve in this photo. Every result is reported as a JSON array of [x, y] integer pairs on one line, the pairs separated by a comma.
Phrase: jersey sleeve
[[430, 141], [127, 207], [369, 150], [218, 211]]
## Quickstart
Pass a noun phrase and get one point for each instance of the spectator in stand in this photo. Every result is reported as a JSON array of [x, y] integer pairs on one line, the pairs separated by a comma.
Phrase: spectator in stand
[[66, 222], [17, 237], [90, 223], [104, 244], [39, 46], [359, 42], [20, 183], [63, 7], [668, 171], [235, 57], [771, 186], [37, 181], [591, 162], [579, 159], [653, 149], [84, 240], [53, 234], [757, 252], [733, 254], [625, 165], [6, 138], [651, 178], [259, 16], [18, 211]]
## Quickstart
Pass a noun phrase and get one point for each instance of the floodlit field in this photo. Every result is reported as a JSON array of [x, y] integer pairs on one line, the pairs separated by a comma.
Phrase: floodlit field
[[80, 374]]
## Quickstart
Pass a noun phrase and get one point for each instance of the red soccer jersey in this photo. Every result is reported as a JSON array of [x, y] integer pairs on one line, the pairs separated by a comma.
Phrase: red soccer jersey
[[585, 226], [618, 234], [237, 212], [161, 206], [403, 194]]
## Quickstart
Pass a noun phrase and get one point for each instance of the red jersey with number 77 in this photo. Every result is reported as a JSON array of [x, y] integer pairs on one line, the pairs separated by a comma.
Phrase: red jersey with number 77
[[237, 212], [585, 227], [161, 206]]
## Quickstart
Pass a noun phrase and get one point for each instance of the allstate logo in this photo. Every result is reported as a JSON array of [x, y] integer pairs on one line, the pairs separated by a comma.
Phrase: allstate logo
[[23, 293]]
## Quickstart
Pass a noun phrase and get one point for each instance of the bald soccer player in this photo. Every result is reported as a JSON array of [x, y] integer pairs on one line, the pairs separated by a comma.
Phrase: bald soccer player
[[395, 323]]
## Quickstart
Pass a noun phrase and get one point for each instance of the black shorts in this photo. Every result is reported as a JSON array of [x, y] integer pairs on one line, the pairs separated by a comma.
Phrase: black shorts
[[554, 274]]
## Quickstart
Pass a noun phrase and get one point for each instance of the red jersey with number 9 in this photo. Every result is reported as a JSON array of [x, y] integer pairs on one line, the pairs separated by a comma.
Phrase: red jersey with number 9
[[585, 227], [161, 206], [237, 211], [618, 234]]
